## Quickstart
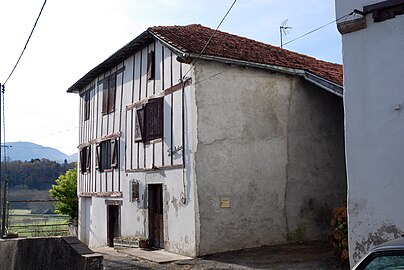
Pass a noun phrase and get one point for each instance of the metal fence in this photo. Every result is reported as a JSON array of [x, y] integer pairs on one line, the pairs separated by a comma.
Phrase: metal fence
[[35, 223]]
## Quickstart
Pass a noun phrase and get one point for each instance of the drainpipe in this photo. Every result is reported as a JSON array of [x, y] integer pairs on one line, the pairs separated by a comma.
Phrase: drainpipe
[[184, 196]]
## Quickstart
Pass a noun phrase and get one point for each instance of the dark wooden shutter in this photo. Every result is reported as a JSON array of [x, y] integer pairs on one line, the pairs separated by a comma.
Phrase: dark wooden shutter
[[82, 160], [88, 159], [98, 164], [139, 125], [112, 93], [106, 154], [105, 95], [150, 65], [87, 105], [114, 153], [154, 119]]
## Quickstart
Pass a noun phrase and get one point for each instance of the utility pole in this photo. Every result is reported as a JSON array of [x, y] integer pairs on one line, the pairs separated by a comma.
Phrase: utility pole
[[4, 181], [2, 197], [3, 173]]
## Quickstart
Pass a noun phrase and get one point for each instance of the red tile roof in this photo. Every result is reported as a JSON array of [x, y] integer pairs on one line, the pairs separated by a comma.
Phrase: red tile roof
[[192, 39]]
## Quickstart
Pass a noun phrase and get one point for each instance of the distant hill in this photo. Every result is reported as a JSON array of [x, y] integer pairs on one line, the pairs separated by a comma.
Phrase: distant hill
[[25, 151]]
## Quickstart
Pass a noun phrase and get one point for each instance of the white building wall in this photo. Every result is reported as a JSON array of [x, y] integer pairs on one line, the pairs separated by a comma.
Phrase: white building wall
[[373, 80], [137, 160]]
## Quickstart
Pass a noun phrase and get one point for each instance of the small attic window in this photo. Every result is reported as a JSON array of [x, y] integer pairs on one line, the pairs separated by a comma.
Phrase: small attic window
[[150, 65]]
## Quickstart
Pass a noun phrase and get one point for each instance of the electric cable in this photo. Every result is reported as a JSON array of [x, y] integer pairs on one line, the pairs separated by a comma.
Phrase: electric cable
[[26, 44], [213, 34], [318, 28]]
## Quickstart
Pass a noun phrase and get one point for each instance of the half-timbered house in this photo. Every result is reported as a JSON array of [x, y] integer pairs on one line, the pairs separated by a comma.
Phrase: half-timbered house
[[204, 141]]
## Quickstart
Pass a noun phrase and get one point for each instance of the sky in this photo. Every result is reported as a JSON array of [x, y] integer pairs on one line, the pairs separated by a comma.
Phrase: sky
[[74, 36]]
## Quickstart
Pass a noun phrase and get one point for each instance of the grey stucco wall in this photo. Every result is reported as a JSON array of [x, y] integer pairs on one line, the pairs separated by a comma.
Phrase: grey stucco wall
[[316, 180], [48, 253], [243, 154]]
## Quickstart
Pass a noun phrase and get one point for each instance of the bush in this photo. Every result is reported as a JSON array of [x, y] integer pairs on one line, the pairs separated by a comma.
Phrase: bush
[[65, 192], [339, 233]]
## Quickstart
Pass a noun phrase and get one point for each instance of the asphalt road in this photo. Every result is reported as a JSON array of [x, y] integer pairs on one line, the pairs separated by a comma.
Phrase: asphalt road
[[312, 255]]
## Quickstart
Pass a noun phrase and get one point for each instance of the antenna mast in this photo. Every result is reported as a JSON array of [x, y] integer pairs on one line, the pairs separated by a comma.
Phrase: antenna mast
[[283, 30]]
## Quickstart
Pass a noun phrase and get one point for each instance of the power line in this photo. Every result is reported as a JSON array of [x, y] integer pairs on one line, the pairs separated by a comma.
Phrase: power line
[[32, 31], [55, 133], [213, 34], [318, 28]]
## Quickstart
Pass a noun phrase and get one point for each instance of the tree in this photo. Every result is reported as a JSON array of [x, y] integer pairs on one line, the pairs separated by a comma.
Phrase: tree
[[65, 192]]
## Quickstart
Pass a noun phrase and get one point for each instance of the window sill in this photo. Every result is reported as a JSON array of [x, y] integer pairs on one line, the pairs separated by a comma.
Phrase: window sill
[[107, 170]]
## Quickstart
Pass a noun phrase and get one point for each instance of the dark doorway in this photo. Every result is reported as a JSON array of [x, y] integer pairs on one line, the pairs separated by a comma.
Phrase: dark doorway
[[155, 205], [113, 223]]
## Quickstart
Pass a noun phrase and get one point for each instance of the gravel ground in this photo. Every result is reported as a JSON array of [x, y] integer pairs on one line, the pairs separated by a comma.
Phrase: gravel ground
[[313, 255]]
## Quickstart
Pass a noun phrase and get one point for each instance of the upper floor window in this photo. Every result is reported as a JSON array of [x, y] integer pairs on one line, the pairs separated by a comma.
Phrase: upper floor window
[[108, 94], [107, 155], [85, 159], [149, 121], [150, 66], [86, 111]]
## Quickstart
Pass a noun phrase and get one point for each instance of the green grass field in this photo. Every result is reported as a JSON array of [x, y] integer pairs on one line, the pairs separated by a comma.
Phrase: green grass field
[[27, 224]]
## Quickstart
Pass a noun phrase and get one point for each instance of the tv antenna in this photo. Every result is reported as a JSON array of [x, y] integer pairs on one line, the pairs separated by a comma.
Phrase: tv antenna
[[283, 30]]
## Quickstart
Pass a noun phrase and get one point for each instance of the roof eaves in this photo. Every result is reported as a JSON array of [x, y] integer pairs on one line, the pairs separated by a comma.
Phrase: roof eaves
[[319, 81], [287, 70], [110, 62], [325, 84]]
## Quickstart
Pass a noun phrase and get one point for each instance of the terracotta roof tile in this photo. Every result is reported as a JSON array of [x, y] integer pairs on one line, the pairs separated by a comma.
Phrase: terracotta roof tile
[[192, 38]]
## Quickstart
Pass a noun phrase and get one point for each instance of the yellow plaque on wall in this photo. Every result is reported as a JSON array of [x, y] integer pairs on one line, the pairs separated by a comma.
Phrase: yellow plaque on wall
[[224, 202]]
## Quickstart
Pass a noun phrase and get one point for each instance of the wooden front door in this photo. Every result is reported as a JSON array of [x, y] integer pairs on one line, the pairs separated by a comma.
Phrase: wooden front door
[[113, 223], [155, 205]]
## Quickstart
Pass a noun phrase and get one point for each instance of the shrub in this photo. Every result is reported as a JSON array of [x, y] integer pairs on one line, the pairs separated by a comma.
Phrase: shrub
[[65, 192]]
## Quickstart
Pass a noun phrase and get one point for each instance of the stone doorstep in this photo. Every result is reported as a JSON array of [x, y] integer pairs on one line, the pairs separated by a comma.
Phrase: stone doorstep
[[157, 256]]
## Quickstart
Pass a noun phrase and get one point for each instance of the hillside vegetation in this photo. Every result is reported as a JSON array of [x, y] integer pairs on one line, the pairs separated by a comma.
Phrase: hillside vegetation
[[32, 180]]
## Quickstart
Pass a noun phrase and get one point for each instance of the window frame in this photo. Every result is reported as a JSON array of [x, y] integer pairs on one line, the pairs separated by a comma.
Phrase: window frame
[[86, 109], [85, 159], [151, 66], [109, 94], [149, 121], [107, 155]]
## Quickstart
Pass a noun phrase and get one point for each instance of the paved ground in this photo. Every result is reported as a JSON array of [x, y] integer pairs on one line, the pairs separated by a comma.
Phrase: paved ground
[[313, 255]]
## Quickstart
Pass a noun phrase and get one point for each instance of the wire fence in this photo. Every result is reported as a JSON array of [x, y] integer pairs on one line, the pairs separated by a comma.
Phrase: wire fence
[[30, 223]]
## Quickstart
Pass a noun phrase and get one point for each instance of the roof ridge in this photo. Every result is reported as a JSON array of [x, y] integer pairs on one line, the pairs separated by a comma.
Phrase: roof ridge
[[241, 37], [192, 39]]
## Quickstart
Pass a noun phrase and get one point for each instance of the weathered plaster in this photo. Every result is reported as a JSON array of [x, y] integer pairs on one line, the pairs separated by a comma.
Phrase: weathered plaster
[[373, 100], [316, 180], [244, 148]]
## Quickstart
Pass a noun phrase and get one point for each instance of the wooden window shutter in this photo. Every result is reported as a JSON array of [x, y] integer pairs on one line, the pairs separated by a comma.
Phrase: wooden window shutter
[[82, 160], [98, 164], [154, 119], [139, 125], [150, 65], [106, 155], [88, 159], [114, 153], [86, 106], [112, 93], [105, 96]]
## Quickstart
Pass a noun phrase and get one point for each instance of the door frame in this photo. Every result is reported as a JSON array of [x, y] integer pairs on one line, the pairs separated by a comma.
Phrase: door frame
[[155, 202], [113, 230]]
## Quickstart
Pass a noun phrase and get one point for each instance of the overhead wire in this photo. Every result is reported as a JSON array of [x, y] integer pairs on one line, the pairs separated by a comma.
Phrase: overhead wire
[[210, 39], [318, 28], [26, 44]]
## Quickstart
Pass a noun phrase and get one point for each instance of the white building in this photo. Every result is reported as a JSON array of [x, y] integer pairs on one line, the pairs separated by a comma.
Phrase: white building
[[238, 146], [373, 56]]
